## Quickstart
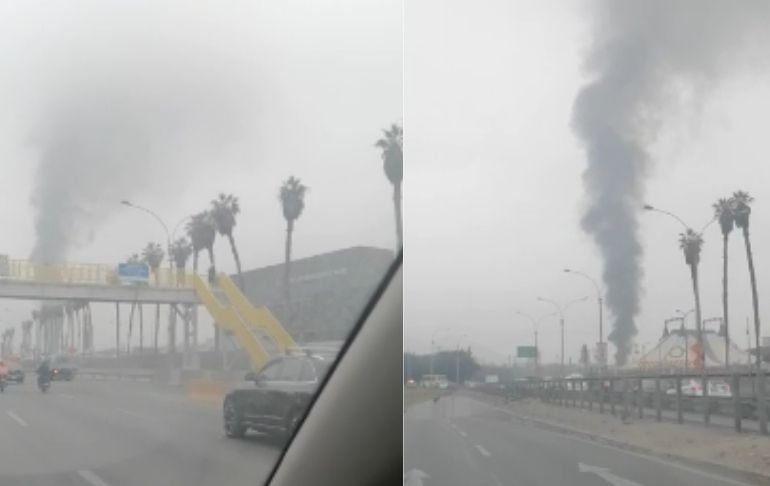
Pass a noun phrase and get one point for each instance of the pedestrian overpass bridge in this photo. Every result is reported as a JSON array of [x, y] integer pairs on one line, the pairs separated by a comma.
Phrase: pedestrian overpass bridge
[[255, 329]]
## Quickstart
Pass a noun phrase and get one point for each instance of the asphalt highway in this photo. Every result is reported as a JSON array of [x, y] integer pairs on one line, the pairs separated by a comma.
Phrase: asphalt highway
[[117, 433], [460, 440]]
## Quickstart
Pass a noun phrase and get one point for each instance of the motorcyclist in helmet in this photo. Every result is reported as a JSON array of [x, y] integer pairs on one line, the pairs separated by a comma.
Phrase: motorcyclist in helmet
[[44, 371]]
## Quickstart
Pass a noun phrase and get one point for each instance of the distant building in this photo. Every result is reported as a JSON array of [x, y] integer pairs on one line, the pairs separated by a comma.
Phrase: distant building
[[328, 291]]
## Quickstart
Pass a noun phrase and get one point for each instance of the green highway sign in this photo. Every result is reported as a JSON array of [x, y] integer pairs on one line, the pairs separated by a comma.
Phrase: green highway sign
[[526, 352]]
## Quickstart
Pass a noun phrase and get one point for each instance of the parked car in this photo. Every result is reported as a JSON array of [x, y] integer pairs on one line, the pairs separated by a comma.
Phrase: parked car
[[274, 400]]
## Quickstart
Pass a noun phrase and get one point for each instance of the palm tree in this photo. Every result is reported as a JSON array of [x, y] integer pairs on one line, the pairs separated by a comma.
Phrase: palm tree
[[224, 209], [724, 214], [153, 255], [180, 252], [202, 233], [392, 145], [691, 243], [292, 197], [741, 210]]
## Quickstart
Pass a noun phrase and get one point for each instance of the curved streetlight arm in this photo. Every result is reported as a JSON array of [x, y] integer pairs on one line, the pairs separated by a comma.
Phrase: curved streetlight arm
[[553, 303], [173, 233], [531, 319], [151, 213], [667, 213], [707, 225], [596, 285], [582, 299]]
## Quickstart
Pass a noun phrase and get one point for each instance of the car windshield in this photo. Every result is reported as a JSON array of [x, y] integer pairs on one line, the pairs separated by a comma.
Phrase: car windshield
[[587, 259], [196, 189]]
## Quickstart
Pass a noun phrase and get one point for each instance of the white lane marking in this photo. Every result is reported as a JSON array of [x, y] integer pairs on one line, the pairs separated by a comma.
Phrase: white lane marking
[[133, 414], [663, 462], [15, 417], [483, 451], [463, 434], [92, 478], [605, 474]]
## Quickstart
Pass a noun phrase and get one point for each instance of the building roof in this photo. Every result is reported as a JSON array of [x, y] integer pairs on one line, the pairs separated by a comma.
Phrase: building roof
[[327, 292]]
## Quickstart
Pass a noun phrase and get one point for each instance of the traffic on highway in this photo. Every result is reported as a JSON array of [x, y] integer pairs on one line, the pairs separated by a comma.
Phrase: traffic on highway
[[203, 205], [587, 302]]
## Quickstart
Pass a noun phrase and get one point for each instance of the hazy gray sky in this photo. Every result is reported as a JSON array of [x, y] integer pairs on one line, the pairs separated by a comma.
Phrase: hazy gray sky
[[169, 103], [489, 89]]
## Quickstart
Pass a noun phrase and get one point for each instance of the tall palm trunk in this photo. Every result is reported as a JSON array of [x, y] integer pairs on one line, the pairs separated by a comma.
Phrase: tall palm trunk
[[141, 328], [157, 327], [212, 279], [287, 268], [698, 322], [725, 318], [195, 261], [755, 303], [399, 221], [237, 259], [130, 328], [210, 251]]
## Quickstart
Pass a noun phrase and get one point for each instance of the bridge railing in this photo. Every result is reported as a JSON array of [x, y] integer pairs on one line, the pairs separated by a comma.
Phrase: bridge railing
[[90, 273]]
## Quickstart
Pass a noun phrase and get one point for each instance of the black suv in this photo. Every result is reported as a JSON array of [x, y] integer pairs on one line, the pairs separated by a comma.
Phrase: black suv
[[274, 400], [62, 370]]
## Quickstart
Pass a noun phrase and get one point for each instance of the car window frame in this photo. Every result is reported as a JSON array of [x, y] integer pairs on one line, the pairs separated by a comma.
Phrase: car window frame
[[277, 363], [308, 364], [283, 378], [363, 316]]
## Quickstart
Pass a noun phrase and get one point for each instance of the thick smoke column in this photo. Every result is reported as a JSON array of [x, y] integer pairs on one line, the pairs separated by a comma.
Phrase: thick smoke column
[[646, 58], [123, 126]]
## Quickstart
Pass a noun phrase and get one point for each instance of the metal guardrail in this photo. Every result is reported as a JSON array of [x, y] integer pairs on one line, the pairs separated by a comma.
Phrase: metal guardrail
[[636, 395]]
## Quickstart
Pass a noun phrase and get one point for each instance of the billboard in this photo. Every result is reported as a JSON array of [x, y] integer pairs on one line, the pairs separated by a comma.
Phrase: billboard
[[526, 352], [133, 273]]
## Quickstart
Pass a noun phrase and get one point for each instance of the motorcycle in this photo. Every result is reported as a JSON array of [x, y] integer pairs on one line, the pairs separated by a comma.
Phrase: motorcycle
[[43, 384]]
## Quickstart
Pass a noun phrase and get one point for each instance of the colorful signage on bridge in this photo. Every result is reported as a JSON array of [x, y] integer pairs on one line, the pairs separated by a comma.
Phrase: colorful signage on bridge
[[133, 273]]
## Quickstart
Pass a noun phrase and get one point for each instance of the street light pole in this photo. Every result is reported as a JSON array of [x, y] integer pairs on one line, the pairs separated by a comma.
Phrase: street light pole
[[684, 333], [693, 270], [535, 324], [602, 350], [433, 345], [457, 360], [560, 310], [162, 223]]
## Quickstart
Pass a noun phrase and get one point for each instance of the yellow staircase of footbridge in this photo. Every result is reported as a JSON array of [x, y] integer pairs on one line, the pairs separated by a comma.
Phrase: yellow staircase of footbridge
[[255, 328]]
